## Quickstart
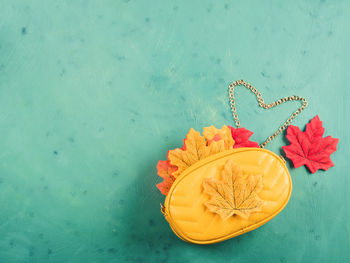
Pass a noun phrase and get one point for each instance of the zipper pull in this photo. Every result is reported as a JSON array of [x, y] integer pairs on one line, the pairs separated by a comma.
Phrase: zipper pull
[[162, 209], [284, 160]]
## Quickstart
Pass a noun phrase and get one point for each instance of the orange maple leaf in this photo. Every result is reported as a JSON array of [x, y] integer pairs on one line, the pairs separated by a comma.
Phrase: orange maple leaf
[[165, 170], [196, 148], [211, 133]]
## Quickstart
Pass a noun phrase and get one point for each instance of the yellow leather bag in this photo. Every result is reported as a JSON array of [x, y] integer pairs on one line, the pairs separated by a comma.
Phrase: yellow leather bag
[[214, 192], [190, 219]]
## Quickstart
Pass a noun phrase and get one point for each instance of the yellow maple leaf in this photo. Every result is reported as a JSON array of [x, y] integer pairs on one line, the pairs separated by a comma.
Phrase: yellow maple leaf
[[236, 193], [197, 148], [210, 133]]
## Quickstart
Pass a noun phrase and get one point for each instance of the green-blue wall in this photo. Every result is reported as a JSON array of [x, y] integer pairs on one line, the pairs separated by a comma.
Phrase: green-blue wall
[[93, 94]]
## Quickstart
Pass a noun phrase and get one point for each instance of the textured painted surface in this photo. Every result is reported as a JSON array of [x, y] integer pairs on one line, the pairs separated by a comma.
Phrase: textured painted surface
[[93, 93]]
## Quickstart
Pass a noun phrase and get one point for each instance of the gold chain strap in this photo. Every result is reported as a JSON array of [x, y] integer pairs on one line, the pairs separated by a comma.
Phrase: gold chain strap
[[265, 106]]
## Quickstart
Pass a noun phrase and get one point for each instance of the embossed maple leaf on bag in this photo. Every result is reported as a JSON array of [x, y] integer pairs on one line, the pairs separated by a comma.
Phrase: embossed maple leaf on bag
[[236, 194]]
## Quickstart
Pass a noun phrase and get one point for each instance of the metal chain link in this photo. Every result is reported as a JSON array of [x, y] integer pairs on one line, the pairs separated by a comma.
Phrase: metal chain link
[[265, 106]]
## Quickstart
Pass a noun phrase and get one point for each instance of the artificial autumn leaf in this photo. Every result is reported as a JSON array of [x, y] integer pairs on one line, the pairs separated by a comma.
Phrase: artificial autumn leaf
[[241, 137], [195, 148], [165, 170], [213, 134], [237, 192], [310, 148]]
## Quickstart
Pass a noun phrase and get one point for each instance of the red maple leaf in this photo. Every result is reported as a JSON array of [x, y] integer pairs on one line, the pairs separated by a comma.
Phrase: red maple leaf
[[310, 148], [241, 137], [165, 170]]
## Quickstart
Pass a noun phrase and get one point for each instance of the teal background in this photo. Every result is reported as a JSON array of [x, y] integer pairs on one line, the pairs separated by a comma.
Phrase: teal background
[[94, 93]]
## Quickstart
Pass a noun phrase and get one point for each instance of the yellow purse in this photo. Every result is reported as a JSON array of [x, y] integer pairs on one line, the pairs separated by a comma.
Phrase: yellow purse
[[217, 192]]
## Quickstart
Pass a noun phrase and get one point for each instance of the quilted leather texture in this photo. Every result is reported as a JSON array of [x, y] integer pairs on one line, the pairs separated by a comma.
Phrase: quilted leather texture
[[193, 222]]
